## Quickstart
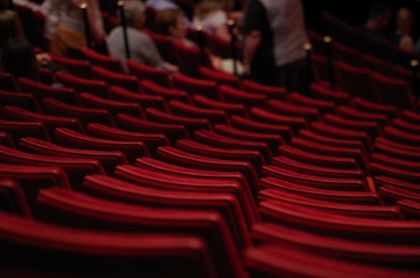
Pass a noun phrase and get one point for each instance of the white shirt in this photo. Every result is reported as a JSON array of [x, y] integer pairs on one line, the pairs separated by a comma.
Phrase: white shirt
[[287, 23]]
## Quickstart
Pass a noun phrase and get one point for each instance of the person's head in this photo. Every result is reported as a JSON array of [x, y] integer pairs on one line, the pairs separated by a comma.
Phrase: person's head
[[10, 26], [380, 13], [404, 20], [206, 7], [135, 13], [18, 58], [171, 22]]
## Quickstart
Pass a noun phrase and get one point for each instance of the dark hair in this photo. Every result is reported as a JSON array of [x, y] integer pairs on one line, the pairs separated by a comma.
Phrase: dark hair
[[18, 58], [166, 19], [10, 26], [378, 9]]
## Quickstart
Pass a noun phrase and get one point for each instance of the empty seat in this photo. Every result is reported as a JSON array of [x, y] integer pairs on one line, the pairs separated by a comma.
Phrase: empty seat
[[373, 107], [252, 156], [257, 126], [323, 106], [313, 181], [393, 91], [78, 210], [374, 230], [215, 139], [121, 94], [411, 209], [183, 158], [151, 140], [8, 82], [191, 123], [30, 245], [268, 91], [85, 115], [318, 159], [352, 250], [364, 211], [50, 121], [406, 126], [342, 133], [12, 199], [392, 194], [39, 91], [316, 170], [6, 140], [126, 81], [370, 127], [108, 159], [248, 99], [243, 193], [220, 77], [279, 261], [75, 168], [333, 142], [152, 88], [272, 140], [24, 100], [145, 72], [77, 67], [230, 208], [351, 113], [338, 196], [172, 131], [284, 108], [266, 116], [401, 136], [356, 81], [387, 180], [314, 147], [230, 108], [188, 110], [101, 60], [72, 139], [321, 92], [112, 106], [194, 86], [18, 129], [81, 84]]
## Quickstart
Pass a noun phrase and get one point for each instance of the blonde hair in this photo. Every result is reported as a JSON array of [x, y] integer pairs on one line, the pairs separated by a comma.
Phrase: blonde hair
[[133, 11], [206, 7]]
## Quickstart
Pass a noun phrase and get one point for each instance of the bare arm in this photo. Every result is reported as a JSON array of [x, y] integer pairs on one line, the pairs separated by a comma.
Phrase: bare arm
[[251, 43]]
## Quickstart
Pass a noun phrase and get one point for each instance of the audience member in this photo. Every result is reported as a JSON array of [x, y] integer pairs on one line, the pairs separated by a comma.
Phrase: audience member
[[170, 22], [142, 48], [212, 15], [273, 45], [159, 5], [10, 26], [404, 25], [66, 27], [18, 58], [378, 20]]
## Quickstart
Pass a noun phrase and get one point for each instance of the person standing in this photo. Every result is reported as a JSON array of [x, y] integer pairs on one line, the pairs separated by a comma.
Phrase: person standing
[[274, 35]]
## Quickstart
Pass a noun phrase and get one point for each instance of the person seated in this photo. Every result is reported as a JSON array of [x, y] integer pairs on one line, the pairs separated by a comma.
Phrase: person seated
[[10, 26], [379, 16], [170, 22], [19, 59], [402, 35], [160, 5], [66, 28], [142, 48], [212, 16]]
